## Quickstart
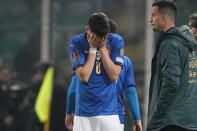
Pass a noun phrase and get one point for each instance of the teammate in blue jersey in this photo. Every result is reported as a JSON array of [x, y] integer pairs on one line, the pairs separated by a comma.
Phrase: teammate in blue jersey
[[126, 83], [97, 59]]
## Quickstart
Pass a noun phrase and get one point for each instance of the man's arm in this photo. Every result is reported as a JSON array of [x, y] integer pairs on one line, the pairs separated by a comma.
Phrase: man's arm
[[85, 71], [132, 100], [131, 94], [111, 69], [70, 105], [171, 74]]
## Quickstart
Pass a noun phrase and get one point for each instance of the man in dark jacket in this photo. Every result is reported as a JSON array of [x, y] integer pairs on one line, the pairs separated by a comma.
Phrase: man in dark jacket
[[173, 88]]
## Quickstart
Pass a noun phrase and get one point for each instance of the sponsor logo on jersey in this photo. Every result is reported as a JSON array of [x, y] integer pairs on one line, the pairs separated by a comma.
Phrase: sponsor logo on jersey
[[75, 56]]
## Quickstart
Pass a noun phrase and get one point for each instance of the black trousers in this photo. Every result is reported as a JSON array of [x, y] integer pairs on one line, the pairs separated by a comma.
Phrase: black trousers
[[174, 128]]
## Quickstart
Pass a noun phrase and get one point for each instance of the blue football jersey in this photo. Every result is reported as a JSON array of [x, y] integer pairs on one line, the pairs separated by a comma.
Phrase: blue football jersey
[[97, 96], [126, 79]]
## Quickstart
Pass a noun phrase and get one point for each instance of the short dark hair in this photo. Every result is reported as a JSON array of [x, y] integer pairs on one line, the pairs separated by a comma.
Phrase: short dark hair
[[113, 26], [98, 24], [167, 6], [193, 18]]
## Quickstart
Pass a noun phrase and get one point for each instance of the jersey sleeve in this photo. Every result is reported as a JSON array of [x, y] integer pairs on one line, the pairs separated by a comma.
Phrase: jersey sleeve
[[70, 105], [117, 52], [132, 100], [77, 57], [129, 79]]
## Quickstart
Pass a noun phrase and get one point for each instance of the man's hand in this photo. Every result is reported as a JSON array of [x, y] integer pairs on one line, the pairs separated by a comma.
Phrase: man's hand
[[93, 40], [137, 126], [102, 42], [69, 121]]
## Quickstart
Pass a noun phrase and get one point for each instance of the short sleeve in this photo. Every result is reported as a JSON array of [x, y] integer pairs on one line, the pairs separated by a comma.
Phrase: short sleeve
[[117, 52], [77, 56], [129, 79]]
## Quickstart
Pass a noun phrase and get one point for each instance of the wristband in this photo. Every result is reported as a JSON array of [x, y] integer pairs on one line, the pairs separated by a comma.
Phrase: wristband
[[93, 50]]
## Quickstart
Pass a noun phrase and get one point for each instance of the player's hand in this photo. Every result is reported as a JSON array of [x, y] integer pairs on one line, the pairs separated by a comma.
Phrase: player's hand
[[69, 121], [93, 40], [137, 126], [102, 42]]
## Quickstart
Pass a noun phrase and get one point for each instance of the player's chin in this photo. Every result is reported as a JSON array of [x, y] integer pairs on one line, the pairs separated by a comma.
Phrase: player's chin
[[155, 29]]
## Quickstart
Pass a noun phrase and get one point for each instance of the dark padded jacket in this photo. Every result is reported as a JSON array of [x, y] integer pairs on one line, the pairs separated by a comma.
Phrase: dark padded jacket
[[173, 87]]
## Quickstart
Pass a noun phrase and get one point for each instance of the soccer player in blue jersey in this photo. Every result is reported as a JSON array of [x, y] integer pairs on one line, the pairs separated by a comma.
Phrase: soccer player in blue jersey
[[125, 83], [97, 59]]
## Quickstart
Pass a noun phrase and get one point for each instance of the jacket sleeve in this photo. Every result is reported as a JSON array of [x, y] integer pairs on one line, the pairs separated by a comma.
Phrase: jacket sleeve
[[170, 73]]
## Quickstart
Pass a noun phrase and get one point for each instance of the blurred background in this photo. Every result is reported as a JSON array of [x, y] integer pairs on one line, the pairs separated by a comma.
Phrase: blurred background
[[35, 33]]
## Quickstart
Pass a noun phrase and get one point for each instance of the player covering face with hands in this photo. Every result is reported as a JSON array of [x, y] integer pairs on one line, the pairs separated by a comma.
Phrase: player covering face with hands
[[97, 60], [123, 85]]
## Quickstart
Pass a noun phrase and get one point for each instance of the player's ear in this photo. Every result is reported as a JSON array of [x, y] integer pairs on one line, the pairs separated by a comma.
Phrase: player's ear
[[106, 35]]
